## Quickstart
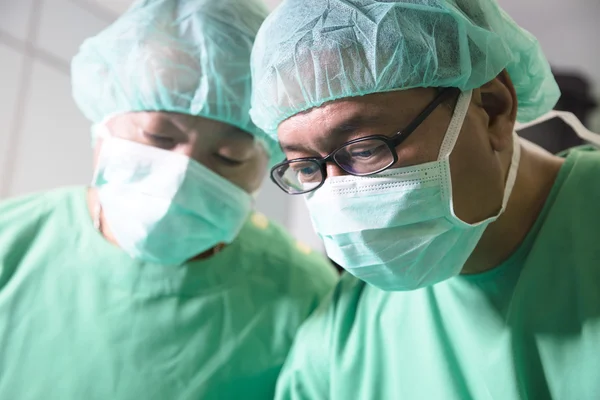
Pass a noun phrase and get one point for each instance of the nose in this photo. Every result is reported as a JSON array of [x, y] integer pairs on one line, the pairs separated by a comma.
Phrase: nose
[[189, 149], [334, 170], [185, 149]]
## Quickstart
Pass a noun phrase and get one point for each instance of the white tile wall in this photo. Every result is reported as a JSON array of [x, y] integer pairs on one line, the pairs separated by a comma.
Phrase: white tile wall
[[273, 202], [64, 25], [9, 87], [117, 7], [53, 148], [14, 17]]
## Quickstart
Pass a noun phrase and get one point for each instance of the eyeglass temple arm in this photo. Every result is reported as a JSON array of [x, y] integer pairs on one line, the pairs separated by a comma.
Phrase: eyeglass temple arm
[[440, 98]]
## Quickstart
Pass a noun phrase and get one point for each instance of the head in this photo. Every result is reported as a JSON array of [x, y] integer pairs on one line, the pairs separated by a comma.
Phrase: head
[[347, 69], [310, 52], [479, 162], [225, 149], [176, 75]]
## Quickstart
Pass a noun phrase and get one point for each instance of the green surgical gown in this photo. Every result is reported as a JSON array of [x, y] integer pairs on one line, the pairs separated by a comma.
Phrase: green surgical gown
[[528, 329], [80, 320]]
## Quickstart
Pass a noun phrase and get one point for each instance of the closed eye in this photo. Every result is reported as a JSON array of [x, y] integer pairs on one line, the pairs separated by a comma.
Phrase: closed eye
[[164, 142], [228, 161]]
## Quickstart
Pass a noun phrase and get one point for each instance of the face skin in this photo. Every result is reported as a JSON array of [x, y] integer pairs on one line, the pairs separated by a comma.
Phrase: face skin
[[225, 149], [479, 162]]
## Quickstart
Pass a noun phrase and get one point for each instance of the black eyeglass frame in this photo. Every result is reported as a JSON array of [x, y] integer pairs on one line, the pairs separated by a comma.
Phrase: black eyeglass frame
[[390, 141]]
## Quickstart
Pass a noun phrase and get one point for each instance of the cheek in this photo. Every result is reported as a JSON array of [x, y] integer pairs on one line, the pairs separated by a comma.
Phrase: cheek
[[249, 177], [424, 144], [477, 184]]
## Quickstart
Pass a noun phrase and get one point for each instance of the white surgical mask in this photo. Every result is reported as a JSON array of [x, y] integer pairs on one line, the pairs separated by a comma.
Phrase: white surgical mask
[[397, 230], [164, 207]]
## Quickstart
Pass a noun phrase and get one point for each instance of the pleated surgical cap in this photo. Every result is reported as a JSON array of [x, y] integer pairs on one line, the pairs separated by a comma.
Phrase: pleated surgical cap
[[309, 52], [183, 56]]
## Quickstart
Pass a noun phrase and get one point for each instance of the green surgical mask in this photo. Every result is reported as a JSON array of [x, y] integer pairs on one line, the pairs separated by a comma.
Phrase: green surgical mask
[[397, 230], [164, 207]]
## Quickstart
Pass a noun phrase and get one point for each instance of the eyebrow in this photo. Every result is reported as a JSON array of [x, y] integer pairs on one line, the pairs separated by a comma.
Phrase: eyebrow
[[344, 128]]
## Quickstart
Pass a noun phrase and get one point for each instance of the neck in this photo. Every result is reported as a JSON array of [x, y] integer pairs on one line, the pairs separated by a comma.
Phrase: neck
[[97, 214], [536, 176]]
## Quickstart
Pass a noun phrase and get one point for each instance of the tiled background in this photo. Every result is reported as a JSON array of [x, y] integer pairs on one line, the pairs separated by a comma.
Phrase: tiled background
[[45, 141]]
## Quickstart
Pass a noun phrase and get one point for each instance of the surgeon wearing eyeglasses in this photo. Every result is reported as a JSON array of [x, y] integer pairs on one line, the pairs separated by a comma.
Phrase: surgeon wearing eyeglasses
[[472, 255]]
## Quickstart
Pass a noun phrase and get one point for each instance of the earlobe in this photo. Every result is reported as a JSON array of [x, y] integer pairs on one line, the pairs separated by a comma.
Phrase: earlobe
[[499, 101]]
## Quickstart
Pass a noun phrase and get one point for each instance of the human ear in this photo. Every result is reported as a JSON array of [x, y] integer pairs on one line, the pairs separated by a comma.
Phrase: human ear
[[499, 101]]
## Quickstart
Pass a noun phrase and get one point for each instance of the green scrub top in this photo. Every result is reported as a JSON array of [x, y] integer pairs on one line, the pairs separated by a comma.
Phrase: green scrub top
[[79, 319], [528, 329]]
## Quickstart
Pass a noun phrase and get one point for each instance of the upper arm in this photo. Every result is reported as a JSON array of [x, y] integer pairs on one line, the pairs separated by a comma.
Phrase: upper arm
[[309, 275], [19, 223], [305, 375]]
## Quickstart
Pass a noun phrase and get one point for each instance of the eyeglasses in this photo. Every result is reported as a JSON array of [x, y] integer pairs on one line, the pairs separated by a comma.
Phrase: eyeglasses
[[360, 157]]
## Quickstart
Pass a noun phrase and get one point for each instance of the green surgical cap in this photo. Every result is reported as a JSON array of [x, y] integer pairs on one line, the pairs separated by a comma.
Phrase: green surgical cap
[[190, 57], [309, 52]]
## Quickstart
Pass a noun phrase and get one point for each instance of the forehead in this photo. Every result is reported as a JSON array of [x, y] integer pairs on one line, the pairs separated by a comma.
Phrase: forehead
[[343, 117], [182, 124]]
